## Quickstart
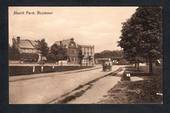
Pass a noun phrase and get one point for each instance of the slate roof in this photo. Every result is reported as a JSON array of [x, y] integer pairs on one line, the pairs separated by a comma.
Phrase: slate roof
[[27, 44], [85, 45], [64, 42]]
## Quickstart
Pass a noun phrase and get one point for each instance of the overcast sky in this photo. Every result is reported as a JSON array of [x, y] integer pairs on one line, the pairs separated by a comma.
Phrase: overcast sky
[[98, 26]]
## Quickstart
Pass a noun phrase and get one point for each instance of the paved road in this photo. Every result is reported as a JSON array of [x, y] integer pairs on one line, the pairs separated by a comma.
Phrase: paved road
[[97, 91], [50, 86]]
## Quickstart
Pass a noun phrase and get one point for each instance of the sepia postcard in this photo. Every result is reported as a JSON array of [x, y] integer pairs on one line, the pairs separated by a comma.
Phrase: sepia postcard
[[85, 55]]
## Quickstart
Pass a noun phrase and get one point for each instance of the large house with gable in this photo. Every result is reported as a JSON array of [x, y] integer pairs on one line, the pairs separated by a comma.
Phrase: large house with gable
[[73, 49], [27, 48]]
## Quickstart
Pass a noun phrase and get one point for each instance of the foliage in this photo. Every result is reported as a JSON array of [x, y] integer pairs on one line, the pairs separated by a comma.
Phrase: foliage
[[142, 35], [13, 53], [58, 52], [43, 47], [62, 54], [54, 49], [51, 57], [80, 56], [108, 54]]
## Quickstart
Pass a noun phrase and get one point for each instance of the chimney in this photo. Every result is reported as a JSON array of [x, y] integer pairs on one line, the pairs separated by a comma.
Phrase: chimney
[[18, 39], [61, 44], [72, 39]]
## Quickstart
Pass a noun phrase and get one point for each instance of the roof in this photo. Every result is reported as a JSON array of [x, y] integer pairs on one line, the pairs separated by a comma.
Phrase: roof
[[83, 46], [65, 42], [27, 44], [102, 59]]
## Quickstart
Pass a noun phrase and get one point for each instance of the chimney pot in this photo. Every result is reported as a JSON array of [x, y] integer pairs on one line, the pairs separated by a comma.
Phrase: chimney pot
[[18, 39]]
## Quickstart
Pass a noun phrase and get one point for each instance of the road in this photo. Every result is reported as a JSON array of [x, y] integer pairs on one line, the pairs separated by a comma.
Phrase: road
[[54, 87]]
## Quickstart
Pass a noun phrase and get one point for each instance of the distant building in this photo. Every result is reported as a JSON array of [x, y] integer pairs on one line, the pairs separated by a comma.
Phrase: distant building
[[101, 60], [88, 54], [27, 48], [25, 45], [73, 49]]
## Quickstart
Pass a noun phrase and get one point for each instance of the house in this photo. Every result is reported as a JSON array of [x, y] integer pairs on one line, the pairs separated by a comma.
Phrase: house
[[71, 49], [88, 54], [27, 49], [73, 52]]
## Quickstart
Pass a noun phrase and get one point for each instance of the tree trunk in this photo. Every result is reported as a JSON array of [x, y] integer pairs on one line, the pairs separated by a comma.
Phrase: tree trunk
[[80, 62], [138, 66], [135, 65], [150, 66]]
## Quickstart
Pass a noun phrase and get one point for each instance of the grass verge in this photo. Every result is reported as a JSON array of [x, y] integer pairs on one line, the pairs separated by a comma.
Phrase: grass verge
[[148, 90]]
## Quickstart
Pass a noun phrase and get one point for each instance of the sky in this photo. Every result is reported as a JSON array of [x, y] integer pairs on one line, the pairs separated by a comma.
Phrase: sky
[[98, 26]]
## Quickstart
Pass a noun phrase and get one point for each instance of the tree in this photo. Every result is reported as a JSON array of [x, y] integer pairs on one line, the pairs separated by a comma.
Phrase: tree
[[54, 49], [108, 54], [13, 53], [80, 56], [142, 35], [129, 42], [117, 53], [60, 52], [51, 57], [43, 47]]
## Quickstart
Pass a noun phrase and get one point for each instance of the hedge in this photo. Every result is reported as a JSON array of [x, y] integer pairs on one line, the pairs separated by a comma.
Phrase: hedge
[[26, 70]]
